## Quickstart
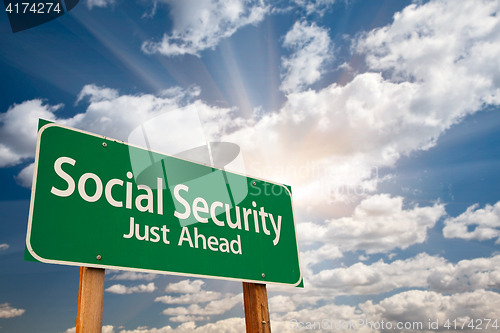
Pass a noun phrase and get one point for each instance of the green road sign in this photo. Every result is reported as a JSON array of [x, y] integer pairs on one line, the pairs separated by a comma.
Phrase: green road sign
[[100, 202]]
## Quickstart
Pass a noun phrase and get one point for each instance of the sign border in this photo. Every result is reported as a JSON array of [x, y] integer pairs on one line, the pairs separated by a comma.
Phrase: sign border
[[71, 263]]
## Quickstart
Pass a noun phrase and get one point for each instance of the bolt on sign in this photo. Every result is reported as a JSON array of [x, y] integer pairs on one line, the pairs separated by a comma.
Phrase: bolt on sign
[[88, 208]]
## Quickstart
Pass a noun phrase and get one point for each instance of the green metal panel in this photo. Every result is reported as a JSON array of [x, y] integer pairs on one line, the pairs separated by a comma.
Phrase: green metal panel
[[75, 224]]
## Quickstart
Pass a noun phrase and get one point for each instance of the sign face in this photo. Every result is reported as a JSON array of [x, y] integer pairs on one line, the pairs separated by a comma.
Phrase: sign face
[[100, 202]]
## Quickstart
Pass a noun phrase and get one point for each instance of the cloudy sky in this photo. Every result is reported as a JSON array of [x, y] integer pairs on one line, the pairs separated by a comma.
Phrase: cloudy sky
[[381, 115]]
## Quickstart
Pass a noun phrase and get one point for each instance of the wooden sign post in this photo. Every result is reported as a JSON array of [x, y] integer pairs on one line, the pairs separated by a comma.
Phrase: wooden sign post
[[90, 300], [91, 293], [256, 308]]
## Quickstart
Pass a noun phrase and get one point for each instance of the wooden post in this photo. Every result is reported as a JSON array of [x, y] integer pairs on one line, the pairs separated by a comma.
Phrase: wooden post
[[90, 298], [256, 308]]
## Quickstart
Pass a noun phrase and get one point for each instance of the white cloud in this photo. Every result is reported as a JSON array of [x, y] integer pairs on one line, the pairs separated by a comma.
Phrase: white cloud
[[96, 94], [4, 246], [186, 327], [421, 271], [108, 329], [18, 130], [312, 257], [283, 323], [281, 303], [486, 221], [108, 114], [99, 3], [311, 47], [117, 115], [379, 224], [427, 70], [201, 24], [315, 6], [213, 308], [192, 294], [185, 287], [197, 297], [420, 306], [466, 275], [105, 329], [152, 13], [414, 306], [230, 325], [121, 289], [183, 318], [132, 276], [25, 177], [441, 45], [6, 311], [378, 277]]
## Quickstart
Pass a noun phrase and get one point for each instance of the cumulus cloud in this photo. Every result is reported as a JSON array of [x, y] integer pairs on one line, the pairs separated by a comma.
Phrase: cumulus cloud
[[96, 94], [186, 327], [420, 306], [281, 303], [460, 41], [212, 308], [414, 306], [426, 71], [121, 289], [108, 329], [310, 258], [311, 47], [185, 286], [486, 222], [315, 6], [378, 277], [193, 294], [421, 271], [99, 3], [132, 276], [230, 325], [105, 329], [6, 311], [117, 115], [25, 177], [200, 25], [114, 116], [197, 297], [283, 323], [466, 275], [378, 224], [108, 113], [183, 318], [18, 130]]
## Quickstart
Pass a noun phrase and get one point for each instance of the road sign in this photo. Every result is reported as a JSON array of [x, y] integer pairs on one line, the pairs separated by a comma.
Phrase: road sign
[[88, 208]]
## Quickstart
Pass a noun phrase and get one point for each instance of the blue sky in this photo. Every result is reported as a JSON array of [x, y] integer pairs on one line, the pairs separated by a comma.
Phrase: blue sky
[[390, 109]]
